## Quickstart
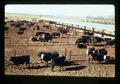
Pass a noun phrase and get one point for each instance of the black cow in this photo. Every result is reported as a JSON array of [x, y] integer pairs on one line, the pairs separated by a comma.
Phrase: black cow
[[92, 39], [88, 33], [110, 41], [45, 37], [13, 24], [103, 51], [63, 30], [36, 27], [58, 61], [98, 39], [52, 22], [34, 38], [47, 26], [42, 36], [47, 56], [6, 27], [22, 28], [88, 38], [25, 59], [55, 34], [19, 31], [53, 57], [81, 43], [39, 33], [99, 55]]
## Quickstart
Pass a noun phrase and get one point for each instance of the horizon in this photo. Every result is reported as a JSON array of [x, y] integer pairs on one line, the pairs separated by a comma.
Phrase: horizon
[[63, 10]]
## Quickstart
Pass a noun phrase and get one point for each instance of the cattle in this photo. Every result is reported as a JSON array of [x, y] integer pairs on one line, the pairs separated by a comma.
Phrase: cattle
[[19, 31], [109, 60], [47, 56], [45, 37], [98, 39], [109, 41], [63, 30], [36, 27], [92, 39], [42, 37], [30, 24], [18, 24], [6, 27], [47, 26], [22, 59], [53, 58], [52, 22], [99, 55], [81, 43], [88, 33], [22, 28], [13, 24], [88, 38], [34, 38], [58, 61], [39, 33], [55, 34], [103, 51]]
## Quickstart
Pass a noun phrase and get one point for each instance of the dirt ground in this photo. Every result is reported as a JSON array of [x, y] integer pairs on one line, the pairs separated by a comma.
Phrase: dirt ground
[[22, 45]]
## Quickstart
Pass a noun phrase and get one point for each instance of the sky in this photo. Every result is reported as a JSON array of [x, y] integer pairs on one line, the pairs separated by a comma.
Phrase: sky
[[62, 10]]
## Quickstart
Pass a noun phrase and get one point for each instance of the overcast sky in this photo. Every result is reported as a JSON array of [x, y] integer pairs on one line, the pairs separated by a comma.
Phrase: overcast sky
[[66, 10]]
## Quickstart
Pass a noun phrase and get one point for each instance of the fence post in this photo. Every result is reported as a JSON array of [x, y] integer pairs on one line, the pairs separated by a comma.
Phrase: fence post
[[14, 52], [67, 40], [65, 52], [27, 42], [60, 38], [70, 54]]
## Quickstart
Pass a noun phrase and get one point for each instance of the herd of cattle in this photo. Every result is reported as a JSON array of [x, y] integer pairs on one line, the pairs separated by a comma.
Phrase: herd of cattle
[[53, 57], [89, 39], [86, 39], [99, 54]]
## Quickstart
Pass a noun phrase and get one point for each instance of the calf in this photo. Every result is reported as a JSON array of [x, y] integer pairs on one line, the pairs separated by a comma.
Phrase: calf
[[20, 59]]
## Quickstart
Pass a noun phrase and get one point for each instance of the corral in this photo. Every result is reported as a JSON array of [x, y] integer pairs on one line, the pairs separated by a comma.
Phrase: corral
[[65, 45]]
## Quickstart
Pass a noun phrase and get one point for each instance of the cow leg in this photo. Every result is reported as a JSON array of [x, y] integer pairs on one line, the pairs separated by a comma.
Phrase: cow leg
[[41, 61], [87, 59], [52, 65], [90, 59], [46, 63], [61, 68]]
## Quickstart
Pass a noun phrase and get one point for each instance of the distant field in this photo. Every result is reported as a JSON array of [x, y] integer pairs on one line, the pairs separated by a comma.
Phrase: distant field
[[81, 19], [16, 16]]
